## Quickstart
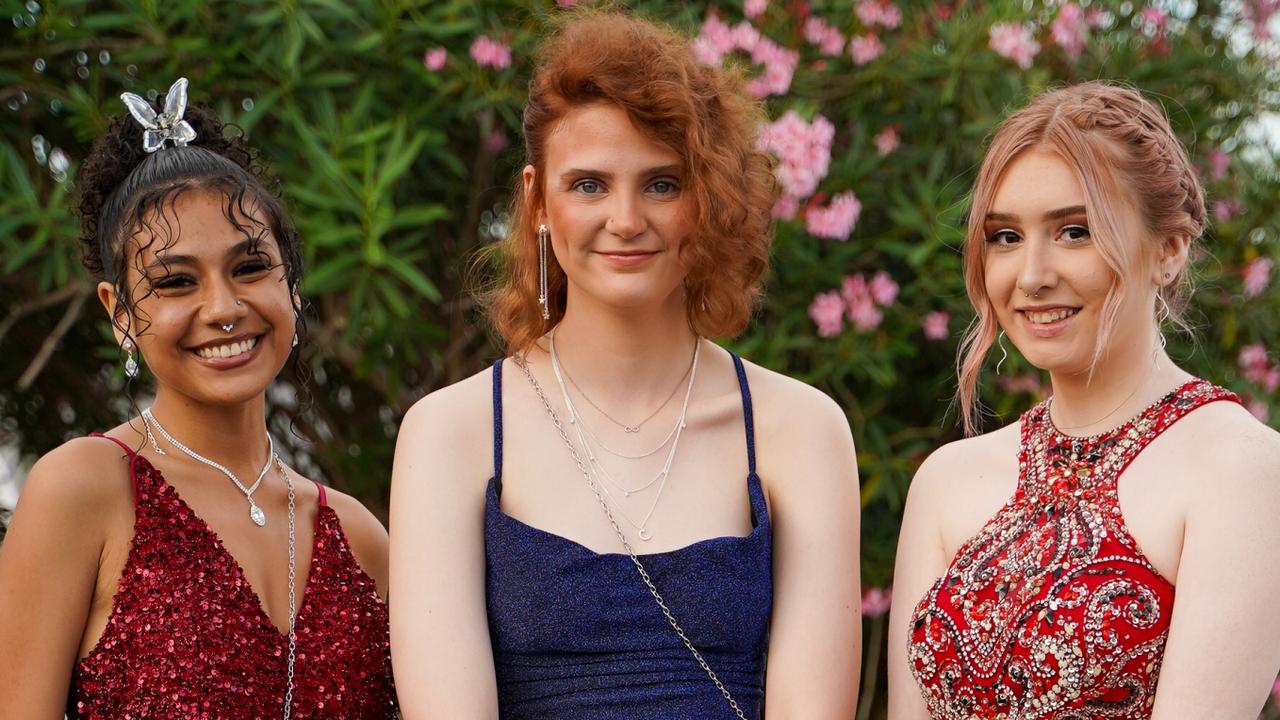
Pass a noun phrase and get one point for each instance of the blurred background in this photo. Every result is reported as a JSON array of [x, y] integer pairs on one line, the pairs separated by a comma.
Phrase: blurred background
[[393, 128]]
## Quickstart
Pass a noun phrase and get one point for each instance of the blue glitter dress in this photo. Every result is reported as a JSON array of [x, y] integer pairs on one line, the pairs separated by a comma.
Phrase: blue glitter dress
[[576, 634]]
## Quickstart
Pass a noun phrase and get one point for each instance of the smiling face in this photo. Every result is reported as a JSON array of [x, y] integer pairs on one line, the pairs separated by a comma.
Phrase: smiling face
[[1046, 277], [615, 209], [210, 275]]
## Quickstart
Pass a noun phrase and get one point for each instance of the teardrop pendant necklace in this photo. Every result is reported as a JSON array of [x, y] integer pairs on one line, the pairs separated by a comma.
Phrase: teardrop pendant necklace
[[258, 517]]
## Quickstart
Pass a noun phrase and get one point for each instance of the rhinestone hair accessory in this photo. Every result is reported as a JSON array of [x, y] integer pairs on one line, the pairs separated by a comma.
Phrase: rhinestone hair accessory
[[167, 125]]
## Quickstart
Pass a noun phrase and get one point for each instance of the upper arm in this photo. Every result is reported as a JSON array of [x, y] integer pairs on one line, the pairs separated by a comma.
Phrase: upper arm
[[365, 535], [48, 570], [815, 640], [440, 644], [921, 559], [1223, 651]]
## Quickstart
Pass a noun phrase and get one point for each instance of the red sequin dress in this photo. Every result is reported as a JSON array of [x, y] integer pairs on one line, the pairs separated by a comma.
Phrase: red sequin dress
[[1052, 612], [188, 638]]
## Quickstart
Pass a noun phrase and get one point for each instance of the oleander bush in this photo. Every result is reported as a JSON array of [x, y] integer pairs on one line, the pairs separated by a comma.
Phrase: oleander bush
[[392, 127]]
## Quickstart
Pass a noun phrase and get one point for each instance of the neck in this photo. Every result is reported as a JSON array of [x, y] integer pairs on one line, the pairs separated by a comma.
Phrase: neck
[[629, 358], [1129, 377], [232, 435]]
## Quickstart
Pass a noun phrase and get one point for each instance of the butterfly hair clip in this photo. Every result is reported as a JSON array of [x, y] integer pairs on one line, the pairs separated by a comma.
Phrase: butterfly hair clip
[[167, 125]]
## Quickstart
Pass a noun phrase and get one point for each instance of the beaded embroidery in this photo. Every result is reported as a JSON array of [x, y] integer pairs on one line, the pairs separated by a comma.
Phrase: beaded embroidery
[[1051, 612]]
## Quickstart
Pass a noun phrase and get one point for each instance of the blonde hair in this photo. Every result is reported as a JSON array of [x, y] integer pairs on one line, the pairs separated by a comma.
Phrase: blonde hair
[[1120, 146]]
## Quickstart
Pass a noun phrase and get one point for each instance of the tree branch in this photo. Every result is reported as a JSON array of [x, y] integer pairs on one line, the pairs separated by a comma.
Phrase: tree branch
[[53, 338]]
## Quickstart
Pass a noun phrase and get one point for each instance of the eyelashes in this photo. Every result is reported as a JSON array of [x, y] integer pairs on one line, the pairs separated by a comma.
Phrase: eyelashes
[[1073, 234], [178, 281]]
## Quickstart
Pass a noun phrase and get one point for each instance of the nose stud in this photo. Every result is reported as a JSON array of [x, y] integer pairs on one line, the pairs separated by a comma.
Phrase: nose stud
[[227, 327]]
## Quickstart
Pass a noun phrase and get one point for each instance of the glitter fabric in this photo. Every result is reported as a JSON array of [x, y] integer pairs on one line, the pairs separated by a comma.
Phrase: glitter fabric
[[188, 638], [577, 635], [1052, 612]]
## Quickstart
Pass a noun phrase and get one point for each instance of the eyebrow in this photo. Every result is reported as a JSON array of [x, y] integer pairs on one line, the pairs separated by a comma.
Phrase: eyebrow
[[163, 262], [1051, 215], [603, 174]]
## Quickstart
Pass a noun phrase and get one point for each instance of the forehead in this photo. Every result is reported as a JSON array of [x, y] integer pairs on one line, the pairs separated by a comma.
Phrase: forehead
[[601, 136], [1037, 180], [199, 224]]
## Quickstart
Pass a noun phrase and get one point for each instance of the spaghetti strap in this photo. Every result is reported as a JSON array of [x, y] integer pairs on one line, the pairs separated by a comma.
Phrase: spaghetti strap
[[133, 456], [497, 425], [324, 501], [747, 416]]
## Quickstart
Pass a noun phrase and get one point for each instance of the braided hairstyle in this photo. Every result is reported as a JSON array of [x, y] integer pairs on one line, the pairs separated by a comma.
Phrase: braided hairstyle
[[1119, 144], [128, 200]]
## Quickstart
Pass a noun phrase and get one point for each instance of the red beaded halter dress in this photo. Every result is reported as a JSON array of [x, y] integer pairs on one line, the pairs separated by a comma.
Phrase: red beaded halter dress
[[187, 636], [1052, 612]]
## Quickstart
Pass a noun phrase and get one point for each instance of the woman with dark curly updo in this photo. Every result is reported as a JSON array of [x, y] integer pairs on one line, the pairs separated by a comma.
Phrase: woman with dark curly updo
[[174, 566]]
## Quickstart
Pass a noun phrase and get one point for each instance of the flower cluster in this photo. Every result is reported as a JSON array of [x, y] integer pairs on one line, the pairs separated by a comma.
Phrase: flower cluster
[[1258, 368], [1256, 276], [1015, 42], [857, 299], [835, 221], [434, 58], [865, 48], [488, 52], [1070, 29], [716, 39], [828, 40], [876, 601], [936, 325], [803, 150], [887, 140], [878, 12]]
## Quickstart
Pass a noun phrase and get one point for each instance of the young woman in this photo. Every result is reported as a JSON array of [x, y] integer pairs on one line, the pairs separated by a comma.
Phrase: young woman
[[1111, 554], [175, 567], [620, 518]]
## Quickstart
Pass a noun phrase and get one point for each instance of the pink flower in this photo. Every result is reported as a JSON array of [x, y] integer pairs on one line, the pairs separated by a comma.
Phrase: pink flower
[[1272, 379], [1259, 410], [855, 288], [434, 58], [1095, 17], [864, 315], [866, 48], [835, 221], [1226, 209], [566, 3], [1254, 363], [488, 52], [827, 312], [876, 601], [1154, 18], [1256, 276], [1015, 42], [1218, 164], [803, 151], [936, 325], [754, 8], [828, 39], [890, 16], [1259, 12], [779, 65], [1070, 30], [883, 289], [886, 140], [786, 207], [878, 12], [495, 142], [745, 36]]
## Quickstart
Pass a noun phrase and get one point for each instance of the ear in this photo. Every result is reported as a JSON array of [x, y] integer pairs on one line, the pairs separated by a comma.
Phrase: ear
[[1171, 259], [115, 309], [530, 176]]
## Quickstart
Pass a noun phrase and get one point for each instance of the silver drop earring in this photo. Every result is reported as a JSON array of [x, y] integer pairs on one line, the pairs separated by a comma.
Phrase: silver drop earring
[[1004, 354], [543, 295], [130, 365], [295, 340]]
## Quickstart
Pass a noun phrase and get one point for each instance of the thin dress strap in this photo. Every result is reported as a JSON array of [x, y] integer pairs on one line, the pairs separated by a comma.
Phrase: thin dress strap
[[497, 425], [133, 457], [747, 416]]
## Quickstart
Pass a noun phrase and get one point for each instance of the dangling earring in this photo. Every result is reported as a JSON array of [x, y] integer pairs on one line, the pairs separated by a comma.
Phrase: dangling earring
[[1004, 354], [543, 295], [295, 339], [1162, 315], [130, 365]]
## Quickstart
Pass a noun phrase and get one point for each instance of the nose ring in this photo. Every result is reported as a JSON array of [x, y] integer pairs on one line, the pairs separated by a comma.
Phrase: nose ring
[[227, 327]]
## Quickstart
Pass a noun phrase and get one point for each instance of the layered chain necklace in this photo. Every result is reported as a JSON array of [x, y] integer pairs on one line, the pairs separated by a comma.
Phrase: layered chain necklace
[[259, 519], [603, 477]]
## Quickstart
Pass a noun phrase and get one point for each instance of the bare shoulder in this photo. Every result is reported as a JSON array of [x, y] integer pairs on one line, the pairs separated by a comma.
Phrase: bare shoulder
[[1228, 444], [958, 466], [364, 532], [457, 410], [85, 472], [794, 408]]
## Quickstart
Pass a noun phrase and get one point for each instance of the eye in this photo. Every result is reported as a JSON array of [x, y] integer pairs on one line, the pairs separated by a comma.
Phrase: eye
[[589, 187], [1003, 238], [665, 186], [1075, 233], [175, 281], [253, 267]]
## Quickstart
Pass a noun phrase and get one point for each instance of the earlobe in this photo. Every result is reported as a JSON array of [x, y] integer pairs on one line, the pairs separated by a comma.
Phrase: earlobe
[[110, 302], [1174, 252], [529, 176]]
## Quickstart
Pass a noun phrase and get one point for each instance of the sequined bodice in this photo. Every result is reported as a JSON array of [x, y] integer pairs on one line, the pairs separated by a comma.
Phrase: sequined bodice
[[1052, 611], [188, 638]]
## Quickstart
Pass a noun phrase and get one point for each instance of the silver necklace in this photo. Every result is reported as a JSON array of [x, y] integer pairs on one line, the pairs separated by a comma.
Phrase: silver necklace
[[634, 428], [1155, 361], [255, 513], [617, 529]]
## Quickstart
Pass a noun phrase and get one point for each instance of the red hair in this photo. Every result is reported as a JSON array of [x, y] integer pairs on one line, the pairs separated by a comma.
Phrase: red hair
[[1119, 145], [698, 111]]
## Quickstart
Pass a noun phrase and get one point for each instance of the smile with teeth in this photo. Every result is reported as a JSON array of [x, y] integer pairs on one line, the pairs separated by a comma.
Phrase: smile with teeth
[[1048, 316], [228, 350]]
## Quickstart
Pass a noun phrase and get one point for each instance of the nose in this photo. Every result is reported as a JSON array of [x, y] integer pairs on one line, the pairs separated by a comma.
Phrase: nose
[[221, 306], [1037, 273], [626, 218]]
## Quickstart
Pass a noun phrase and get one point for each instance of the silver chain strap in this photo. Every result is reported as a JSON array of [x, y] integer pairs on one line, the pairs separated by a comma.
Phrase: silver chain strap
[[293, 564], [644, 574]]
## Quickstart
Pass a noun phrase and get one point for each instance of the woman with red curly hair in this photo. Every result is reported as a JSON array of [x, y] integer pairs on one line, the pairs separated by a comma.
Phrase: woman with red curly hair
[[1038, 563], [623, 517]]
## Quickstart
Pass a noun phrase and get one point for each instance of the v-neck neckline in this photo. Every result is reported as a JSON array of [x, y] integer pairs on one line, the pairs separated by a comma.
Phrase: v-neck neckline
[[237, 569]]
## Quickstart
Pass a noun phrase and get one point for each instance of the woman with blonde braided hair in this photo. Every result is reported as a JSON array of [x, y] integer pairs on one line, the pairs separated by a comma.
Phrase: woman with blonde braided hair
[[1076, 564]]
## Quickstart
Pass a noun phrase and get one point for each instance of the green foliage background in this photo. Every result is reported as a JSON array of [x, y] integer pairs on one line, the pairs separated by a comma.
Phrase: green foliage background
[[395, 176]]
